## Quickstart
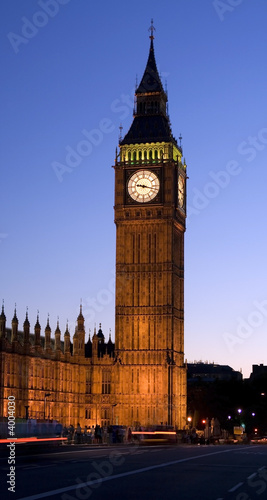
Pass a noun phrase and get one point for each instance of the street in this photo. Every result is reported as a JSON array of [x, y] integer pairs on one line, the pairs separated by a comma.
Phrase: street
[[185, 472]]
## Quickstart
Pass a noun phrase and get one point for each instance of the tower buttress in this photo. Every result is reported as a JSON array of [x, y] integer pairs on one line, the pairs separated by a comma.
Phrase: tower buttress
[[2, 323], [47, 336], [67, 340], [26, 330], [57, 337], [14, 333], [79, 336], [37, 332]]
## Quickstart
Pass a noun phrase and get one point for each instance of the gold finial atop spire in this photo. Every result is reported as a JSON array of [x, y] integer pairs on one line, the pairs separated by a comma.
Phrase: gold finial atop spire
[[152, 29]]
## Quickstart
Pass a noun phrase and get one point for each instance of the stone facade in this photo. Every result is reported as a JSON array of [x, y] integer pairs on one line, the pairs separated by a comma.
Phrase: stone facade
[[141, 380]]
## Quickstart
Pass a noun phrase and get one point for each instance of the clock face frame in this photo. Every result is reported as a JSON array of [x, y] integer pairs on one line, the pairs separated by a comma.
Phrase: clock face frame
[[181, 191], [143, 186]]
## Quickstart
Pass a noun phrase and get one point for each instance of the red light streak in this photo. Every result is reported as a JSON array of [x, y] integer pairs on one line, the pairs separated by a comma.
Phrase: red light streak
[[31, 440]]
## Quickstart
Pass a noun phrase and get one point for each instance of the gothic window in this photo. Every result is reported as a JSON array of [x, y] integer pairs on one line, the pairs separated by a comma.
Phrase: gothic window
[[88, 382], [150, 154], [20, 377], [138, 247], [106, 382], [133, 247], [137, 382], [155, 247], [105, 414], [88, 413]]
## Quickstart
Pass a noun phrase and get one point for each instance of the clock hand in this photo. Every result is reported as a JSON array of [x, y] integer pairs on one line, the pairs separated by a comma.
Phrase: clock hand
[[143, 186]]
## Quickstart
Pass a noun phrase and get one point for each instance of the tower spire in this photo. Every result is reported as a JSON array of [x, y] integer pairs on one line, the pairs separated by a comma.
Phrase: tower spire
[[152, 29]]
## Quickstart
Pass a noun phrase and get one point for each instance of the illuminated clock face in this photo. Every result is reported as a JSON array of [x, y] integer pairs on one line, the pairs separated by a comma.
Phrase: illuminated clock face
[[181, 192], [143, 186]]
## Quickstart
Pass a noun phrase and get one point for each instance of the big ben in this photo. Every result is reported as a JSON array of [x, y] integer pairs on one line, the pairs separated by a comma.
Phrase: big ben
[[150, 214]]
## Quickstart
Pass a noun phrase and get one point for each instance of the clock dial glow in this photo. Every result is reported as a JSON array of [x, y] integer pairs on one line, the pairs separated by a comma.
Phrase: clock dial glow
[[181, 192], [143, 186]]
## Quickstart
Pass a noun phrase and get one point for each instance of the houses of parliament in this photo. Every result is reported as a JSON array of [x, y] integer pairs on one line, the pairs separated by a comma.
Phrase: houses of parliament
[[141, 378]]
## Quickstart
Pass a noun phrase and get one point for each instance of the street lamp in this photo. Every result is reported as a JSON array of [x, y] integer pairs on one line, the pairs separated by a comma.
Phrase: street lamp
[[46, 396], [26, 412]]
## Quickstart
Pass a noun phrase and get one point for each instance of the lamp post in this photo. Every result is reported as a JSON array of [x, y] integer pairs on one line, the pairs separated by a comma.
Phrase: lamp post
[[46, 396], [26, 412]]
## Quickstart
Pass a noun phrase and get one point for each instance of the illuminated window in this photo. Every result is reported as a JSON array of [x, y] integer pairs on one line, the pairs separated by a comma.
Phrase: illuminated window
[[88, 413], [106, 382], [105, 414]]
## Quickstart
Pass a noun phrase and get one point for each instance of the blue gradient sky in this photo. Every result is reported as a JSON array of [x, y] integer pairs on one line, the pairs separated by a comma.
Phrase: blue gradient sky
[[77, 73]]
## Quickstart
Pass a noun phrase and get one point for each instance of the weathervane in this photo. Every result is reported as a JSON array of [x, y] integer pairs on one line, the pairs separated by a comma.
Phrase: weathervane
[[152, 29]]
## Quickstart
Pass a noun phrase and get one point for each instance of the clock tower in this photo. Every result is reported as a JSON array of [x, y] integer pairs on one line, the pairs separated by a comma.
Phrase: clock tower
[[150, 212]]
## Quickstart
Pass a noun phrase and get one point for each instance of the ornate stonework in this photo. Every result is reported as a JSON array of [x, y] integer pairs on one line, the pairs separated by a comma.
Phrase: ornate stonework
[[141, 380]]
